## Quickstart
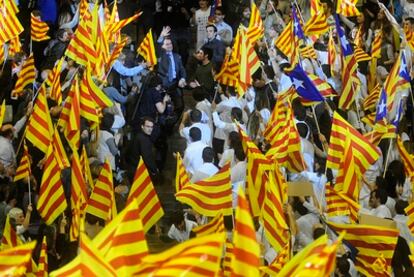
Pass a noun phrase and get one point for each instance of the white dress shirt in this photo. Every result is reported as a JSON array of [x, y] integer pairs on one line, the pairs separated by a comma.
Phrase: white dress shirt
[[193, 156]]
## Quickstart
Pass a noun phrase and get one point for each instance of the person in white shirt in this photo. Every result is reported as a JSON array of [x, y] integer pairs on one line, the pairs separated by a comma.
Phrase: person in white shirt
[[238, 173], [20, 221], [377, 203], [194, 118], [401, 220], [193, 155], [181, 228], [208, 168]]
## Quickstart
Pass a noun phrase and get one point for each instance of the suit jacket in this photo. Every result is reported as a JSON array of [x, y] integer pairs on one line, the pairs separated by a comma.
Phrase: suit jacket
[[163, 65]]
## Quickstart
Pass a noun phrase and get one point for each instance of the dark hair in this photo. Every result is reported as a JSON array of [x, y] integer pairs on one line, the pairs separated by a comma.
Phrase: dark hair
[[207, 51], [400, 206], [239, 153], [208, 155], [302, 129], [195, 115], [153, 80], [214, 26], [92, 220], [147, 118], [60, 33], [342, 264], [177, 218], [107, 121], [220, 9], [199, 94], [237, 114], [410, 19], [234, 139], [298, 109], [381, 194], [318, 232], [195, 134]]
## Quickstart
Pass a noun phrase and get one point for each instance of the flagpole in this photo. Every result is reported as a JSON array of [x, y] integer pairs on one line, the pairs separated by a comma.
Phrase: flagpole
[[317, 125], [30, 194], [387, 158]]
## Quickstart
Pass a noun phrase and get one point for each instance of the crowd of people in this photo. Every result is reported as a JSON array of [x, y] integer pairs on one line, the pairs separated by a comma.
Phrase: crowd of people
[[193, 40]]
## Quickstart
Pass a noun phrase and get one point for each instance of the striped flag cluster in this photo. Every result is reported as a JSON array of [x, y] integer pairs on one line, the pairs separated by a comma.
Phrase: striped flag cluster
[[51, 202], [26, 76], [14, 261], [89, 262], [195, 257], [216, 225], [101, 202], [376, 45], [211, 195], [115, 54], [144, 192], [347, 8], [10, 26], [255, 30], [317, 23], [361, 55], [24, 169], [115, 26], [371, 242], [283, 136], [246, 249], [39, 29], [316, 259], [122, 242], [278, 263], [365, 154], [53, 80], [147, 49], [339, 204]]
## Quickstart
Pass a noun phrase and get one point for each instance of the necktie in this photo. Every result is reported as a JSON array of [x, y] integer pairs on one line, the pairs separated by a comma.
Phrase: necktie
[[171, 68]]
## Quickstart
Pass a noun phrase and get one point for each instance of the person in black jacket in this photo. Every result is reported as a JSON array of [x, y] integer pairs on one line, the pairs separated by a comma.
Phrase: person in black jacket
[[56, 49], [217, 45]]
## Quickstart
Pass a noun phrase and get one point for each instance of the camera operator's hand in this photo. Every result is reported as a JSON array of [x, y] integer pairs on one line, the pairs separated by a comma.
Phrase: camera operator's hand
[[182, 83]]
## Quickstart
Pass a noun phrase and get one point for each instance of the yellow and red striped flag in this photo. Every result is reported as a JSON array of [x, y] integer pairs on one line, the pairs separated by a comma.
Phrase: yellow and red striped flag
[[228, 256], [255, 30], [370, 102], [88, 106], [332, 52], [348, 179], [24, 169], [410, 214], [257, 163], [114, 27], [284, 41], [39, 29], [40, 129], [53, 80], [89, 262], [376, 45], [2, 112], [15, 261], [249, 62], [144, 192], [407, 159], [209, 196], [115, 54], [282, 134], [246, 251], [365, 154], [273, 217], [102, 51], [371, 242], [79, 196], [317, 24], [10, 26], [100, 98], [216, 225], [122, 242], [2, 53], [278, 263], [42, 266], [69, 119], [361, 55], [101, 203], [87, 175], [26, 76], [381, 130], [81, 47], [347, 8], [380, 267], [308, 52], [196, 257], [9, 238], [181, 176], [229, 75], [15, 46], [147, 49], [316, 259], [113, 18], [339, 204], [52, 202], [59, 151]]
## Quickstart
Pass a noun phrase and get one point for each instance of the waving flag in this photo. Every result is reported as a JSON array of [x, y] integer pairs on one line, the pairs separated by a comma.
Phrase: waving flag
[[381, 107], [43, 263], [24, 169], [407, 159], [147, 49], [304, 85], [347, 8], [255, 30], [181, 176], [350, 80], [10, 26], [278, 263], [216, 225], [26, 76], [39, 29], [317, 24], [15, 261]]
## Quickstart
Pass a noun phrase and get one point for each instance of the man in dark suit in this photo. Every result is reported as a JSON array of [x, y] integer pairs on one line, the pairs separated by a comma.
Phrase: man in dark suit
[[171, 70]]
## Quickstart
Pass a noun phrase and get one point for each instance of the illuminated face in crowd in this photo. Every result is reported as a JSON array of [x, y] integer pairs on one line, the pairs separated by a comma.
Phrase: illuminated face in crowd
[[211, 32], [167, 45], [147, 127]]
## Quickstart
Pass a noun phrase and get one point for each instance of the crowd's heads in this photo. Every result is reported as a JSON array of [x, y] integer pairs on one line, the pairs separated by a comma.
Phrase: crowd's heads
[[378, 197], [147, 125], [208, 155], [195, 134], [195, 116], [16, 216]]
